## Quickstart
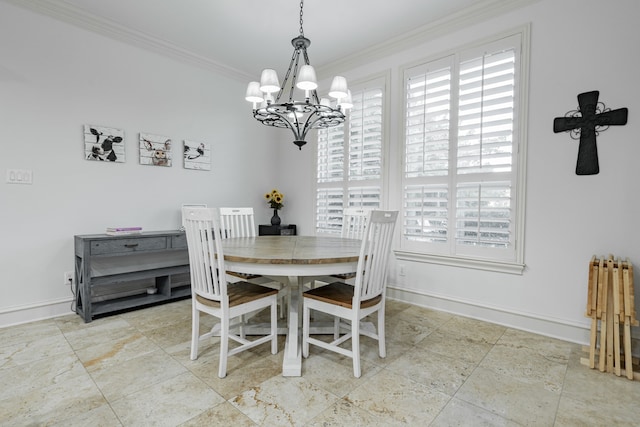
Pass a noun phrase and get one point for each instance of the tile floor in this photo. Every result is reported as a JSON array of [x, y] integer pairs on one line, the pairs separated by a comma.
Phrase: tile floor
[[133, 369]]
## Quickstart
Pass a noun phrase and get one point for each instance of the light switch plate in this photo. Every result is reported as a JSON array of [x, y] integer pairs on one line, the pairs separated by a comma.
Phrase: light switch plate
[[19, 176]]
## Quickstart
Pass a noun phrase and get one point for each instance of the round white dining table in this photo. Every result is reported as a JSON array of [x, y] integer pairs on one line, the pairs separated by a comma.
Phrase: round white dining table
[[290, 259]]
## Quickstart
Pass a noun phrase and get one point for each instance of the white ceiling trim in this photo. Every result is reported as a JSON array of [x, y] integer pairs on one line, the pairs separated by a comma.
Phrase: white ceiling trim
[[111, 29], [453, 22], [72, 15]]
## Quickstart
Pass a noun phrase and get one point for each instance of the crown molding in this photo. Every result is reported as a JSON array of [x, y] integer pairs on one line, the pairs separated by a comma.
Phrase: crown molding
[[65, 12], [79, 18], [477, 13]]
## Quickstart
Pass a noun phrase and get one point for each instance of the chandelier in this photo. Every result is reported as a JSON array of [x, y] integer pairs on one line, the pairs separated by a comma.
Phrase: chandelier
[[297, 115]]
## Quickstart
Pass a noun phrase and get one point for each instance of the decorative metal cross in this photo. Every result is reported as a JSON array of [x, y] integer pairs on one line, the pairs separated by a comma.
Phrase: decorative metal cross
[[586, 123]]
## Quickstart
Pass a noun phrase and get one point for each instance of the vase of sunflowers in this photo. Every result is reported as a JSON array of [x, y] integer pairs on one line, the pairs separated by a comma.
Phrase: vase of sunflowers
[[274, 200]]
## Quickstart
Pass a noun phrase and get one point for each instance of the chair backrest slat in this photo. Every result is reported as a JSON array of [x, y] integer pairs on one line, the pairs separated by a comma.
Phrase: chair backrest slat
[[354, 222], [237, 222], [373, 262], [206, 258]]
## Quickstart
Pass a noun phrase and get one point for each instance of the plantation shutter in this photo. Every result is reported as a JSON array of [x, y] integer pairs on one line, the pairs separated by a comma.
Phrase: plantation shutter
[[349, 160], [428, 109], [460, 148]]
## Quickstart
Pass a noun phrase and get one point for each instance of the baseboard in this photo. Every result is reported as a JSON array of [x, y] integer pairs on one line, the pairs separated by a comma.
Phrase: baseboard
[[556, 328], [33, 312]]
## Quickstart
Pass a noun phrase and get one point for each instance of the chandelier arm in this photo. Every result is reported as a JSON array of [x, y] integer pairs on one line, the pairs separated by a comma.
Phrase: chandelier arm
[[294, 78], [277, 119], [323, 121], [286, 77]]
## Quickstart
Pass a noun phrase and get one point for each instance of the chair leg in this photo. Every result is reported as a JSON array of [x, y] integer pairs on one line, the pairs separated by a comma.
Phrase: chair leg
[[224, 346], [195, 332], [274, 327], [306, 318], [242, 333], [336, 327], [282, 306], [382, 349], [355, 346]]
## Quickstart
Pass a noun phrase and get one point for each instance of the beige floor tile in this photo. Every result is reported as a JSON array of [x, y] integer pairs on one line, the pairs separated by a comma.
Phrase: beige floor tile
[[51, 404], [139, 363], [27, 378], [160, 316], [549, 348], [526, 366], [396, 400], [614, 397], [424, 316], [242, 374], [344, 413], [170, 402], [99, 331], [120, 380], [459, 413], [222, 414], [27, 332], [33, 350], [524, 403], [405, 331], [465, 348], [102, 416], [116, 351], [472, 328], [335, 374], [281, 401], [442, 373]]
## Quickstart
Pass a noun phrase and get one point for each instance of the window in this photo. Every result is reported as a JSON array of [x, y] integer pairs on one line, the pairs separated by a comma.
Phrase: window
[[349, 159], [461, 160]]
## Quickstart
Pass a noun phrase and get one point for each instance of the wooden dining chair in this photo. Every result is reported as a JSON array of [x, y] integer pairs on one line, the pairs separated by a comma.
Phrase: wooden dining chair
[[240, 222], [212, 294], [354, 302], [354, 222]]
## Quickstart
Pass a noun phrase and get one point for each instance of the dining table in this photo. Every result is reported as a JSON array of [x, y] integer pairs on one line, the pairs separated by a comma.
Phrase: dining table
[[292, 260]]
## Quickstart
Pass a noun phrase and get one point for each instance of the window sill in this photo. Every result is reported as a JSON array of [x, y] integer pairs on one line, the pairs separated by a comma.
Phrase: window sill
[[478, 264]]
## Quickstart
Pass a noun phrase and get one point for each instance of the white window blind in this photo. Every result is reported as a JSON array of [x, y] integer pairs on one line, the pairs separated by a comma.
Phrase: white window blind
[[349, 159], [460, 147]]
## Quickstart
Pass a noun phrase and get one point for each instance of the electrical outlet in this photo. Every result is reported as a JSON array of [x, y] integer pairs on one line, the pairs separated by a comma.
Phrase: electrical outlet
[[68, 277]]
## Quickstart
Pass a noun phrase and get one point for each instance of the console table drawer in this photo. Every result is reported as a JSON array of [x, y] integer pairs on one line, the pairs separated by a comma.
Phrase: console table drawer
[[116, 246], [179, 242]]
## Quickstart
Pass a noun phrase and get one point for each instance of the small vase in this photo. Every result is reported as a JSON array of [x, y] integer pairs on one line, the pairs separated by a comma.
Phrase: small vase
[[275, 219]]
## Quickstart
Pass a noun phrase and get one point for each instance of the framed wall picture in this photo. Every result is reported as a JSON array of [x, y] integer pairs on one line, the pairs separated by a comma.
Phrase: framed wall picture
[[197, 155], [155, 150], [104, 144]]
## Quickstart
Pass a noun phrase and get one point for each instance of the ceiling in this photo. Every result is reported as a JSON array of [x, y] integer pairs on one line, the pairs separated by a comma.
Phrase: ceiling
[[241, 37]]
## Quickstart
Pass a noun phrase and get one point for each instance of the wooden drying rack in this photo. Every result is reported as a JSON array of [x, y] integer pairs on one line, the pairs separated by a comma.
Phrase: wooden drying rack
[[610, 301]]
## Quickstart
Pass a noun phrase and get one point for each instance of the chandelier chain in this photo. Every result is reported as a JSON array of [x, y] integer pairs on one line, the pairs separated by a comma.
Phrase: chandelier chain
[[301, 30]]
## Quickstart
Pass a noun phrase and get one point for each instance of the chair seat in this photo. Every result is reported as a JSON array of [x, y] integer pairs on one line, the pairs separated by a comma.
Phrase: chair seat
[[339, 294], [344, 276], [243, 276], [239, 293]]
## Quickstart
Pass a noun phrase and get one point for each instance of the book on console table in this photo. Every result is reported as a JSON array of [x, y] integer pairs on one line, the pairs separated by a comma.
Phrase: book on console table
[[120, 231]]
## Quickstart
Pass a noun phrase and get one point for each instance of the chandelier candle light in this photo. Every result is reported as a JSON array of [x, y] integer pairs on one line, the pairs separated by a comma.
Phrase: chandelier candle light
[[299, 116]]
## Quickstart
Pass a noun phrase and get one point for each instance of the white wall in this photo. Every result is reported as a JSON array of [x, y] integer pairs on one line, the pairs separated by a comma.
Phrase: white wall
[[576, 46], [54, 78]]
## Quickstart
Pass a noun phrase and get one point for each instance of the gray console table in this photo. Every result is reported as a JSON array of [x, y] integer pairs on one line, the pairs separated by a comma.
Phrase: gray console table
[[114, 273]]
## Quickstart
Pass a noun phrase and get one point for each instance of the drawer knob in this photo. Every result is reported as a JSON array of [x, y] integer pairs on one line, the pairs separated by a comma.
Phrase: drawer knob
[[130, 245]]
